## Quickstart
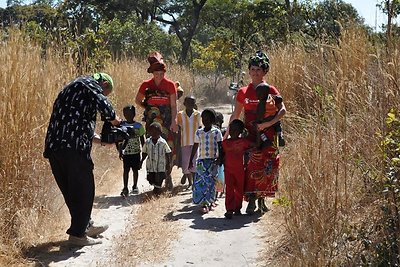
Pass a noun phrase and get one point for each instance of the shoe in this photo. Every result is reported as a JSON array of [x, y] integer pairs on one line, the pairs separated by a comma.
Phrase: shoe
[[135, 190], [204, 209], [94, 231], [228, 214], [183, 179], [251, 207], [237, 213], [82, 241], [125, 192]]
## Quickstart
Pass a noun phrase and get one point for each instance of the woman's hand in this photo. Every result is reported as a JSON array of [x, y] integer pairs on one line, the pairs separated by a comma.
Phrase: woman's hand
[[262, 126], [174, 126]]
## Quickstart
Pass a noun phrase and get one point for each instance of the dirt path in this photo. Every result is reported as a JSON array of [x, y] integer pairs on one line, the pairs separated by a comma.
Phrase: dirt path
[[201, 240]]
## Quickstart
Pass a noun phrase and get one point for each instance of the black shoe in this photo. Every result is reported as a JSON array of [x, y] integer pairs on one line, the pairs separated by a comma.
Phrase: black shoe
[[237, 213], [228, 214], [125, 192]]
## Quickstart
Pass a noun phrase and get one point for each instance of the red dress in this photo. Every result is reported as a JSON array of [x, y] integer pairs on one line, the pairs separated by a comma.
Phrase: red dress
[[263, 166], [234, 150]]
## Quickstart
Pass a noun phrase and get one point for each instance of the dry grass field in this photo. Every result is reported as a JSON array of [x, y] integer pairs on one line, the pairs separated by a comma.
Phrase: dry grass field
[[337, 99]]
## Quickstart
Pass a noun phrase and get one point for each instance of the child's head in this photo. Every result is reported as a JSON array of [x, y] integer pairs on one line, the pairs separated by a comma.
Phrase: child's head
[[189, 103], [129, 112], [208, 117], [219, 119], [236, 127], [262, 91], [155, 130]]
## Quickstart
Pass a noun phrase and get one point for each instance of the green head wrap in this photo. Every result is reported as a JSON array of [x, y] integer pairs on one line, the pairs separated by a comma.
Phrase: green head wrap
[[101, 76]]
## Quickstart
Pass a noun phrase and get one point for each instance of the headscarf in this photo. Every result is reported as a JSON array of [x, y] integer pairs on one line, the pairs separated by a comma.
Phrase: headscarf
[[259, 59], [102, 76], [156, 62]]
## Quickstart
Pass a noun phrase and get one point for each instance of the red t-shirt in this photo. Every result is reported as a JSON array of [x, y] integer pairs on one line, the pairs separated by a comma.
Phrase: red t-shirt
[[233, 152], [159, 94], [248, 98]]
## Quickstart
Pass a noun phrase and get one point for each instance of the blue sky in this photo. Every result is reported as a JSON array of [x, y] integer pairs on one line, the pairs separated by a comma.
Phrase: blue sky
[[366, 9]]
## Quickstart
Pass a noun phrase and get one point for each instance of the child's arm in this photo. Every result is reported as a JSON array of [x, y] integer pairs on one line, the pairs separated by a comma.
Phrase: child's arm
[[194, 150], [218, 161], [221, 155]]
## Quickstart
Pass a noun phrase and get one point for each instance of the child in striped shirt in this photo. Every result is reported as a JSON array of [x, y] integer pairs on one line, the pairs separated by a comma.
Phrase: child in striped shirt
[[189, 122], [159, 162]]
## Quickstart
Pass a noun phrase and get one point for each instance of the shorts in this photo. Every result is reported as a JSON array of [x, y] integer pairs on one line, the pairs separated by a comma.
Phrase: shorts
[[156, 178], [131, 161]]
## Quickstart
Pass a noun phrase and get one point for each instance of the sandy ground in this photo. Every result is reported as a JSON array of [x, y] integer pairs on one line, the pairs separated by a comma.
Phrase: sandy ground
[[206, 240]]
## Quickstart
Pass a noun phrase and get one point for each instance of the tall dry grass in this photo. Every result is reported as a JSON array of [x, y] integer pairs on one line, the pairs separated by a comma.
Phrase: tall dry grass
[[337, 98], [31, 207]]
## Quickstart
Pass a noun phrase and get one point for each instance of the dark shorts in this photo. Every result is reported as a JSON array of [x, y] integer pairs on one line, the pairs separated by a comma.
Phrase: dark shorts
[[156, 178], [131, 161]]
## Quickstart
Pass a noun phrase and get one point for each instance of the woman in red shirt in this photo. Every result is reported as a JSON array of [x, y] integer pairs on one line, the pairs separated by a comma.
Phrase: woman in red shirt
[[261, 178], [158, 96]]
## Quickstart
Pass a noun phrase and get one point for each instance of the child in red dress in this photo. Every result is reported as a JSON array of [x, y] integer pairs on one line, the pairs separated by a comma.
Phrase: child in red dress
[[233, 152]]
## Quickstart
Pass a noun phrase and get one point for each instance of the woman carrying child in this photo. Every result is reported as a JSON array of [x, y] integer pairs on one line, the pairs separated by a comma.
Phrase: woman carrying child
[[208, 143], [263, 165]]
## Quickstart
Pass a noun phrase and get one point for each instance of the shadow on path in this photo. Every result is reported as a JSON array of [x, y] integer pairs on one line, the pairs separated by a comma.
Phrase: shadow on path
[[46, 253], [215, 224]]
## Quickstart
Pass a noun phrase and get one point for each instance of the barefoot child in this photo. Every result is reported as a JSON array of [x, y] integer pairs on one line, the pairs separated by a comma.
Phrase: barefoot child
[[233, 152], [130, 149], [208, 142], [189, 122], [159, 162]]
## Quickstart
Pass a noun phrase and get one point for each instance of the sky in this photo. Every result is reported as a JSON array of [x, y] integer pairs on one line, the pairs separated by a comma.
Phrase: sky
[[366, 9]]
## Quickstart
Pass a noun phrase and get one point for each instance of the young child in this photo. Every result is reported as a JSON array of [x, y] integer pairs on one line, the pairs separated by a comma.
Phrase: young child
[[266, 111], [208, 142], [130, 149], [234, 149], [220, 183], [189, 122], [159, 162]]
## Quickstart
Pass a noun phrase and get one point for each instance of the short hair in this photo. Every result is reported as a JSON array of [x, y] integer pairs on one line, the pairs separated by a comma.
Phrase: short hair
[[130, 108], [219, 116], [211, 112], [156, 125], [237, 123]]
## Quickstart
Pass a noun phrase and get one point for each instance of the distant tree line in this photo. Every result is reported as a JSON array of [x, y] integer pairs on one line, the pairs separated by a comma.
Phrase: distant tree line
[[211, 35]]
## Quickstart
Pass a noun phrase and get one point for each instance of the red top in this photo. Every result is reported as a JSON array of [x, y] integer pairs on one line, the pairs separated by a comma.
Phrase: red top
[[248, 98], [234, 151], [160, 94]]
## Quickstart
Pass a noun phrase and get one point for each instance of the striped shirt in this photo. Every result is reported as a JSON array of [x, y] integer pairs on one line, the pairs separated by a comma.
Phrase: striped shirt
[[156, 154], [188, 125], [208, 142]]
